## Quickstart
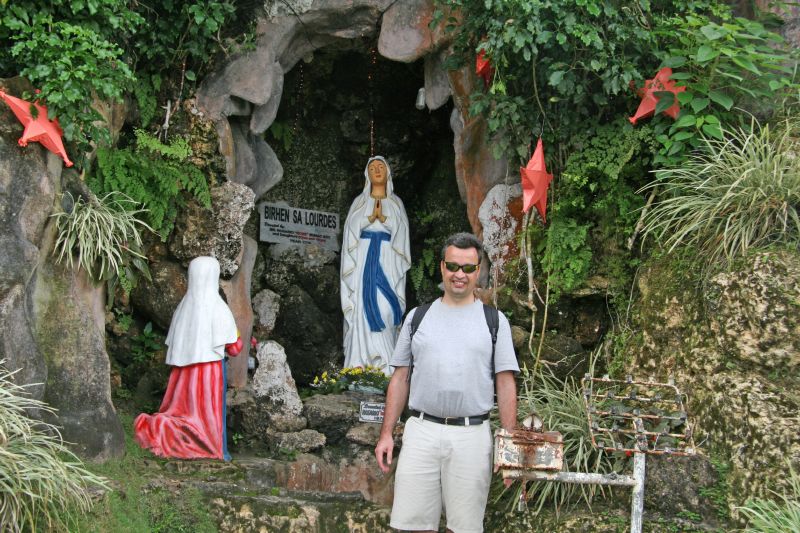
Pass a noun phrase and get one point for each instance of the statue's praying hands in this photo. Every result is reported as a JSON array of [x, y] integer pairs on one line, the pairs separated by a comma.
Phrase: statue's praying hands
[[377, 213]]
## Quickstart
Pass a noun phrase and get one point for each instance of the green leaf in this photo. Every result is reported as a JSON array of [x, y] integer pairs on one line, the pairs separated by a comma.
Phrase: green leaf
[[746, 64], [722, 99], [556, 77], [681, 76], [698, 104], [683, 135], [712, 32], [674, 61], [705, 53], [684, 121], [711, 119], [713, 130], [666, 100], [190, 75], [685, 97]]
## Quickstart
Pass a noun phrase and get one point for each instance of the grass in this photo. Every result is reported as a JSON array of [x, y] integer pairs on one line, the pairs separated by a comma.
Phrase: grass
[[137, 504], [104, 231], [735, 195], [561, 407], [775, 516], [43, 486]]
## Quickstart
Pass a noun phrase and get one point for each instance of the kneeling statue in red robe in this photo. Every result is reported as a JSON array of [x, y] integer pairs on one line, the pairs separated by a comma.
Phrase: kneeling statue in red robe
[[190, 424]]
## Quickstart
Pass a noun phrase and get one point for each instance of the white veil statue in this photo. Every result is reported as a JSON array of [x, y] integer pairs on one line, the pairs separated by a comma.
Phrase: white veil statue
[[375, 259]]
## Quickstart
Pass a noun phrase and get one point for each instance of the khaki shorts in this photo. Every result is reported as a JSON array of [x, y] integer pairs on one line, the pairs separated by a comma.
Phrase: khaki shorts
[[438, 464]]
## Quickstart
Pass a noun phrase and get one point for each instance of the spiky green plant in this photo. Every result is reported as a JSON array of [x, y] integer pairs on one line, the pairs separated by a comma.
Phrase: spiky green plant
[[736, 194], [561, 407], [104, 232], [775, 516], [42, 484]]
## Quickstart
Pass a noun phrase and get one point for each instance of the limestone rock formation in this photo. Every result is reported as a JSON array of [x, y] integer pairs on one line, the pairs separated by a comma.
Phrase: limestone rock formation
[[267, 305], [51, 318], [158, 297], [237, 293], [221, 236], [734, 350], [273, 380]]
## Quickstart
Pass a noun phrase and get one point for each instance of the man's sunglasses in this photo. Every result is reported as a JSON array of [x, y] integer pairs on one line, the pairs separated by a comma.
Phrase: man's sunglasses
[[455, 267]]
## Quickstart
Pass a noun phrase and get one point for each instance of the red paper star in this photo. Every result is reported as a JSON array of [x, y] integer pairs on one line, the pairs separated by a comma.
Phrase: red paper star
[[535, 180], [483, 68], [46, 132], [660, 82]]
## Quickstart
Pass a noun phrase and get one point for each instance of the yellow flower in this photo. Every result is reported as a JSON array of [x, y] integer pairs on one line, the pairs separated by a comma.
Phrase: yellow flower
[[325, 375], [316, 380]]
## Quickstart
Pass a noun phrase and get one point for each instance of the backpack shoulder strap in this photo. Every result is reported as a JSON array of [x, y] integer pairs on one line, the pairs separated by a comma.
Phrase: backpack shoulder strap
[[419, 314], [493, 322]]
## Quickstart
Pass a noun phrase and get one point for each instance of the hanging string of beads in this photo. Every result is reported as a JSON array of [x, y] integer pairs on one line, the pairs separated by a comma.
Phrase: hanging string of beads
[[370, 76], [299, 97]]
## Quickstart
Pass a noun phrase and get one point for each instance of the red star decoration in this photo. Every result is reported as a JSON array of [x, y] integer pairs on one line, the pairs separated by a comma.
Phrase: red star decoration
[[483, 68], [660, 82], [46, 132], [535, 180]]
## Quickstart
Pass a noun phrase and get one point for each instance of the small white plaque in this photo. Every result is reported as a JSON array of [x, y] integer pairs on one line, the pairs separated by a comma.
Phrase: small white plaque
[[371, 412], [281, 223]]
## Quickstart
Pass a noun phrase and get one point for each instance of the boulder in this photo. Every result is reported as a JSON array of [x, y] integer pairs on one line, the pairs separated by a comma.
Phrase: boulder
[[676, 485], [267, 305], [158, 298], [70, 331], [405, 31], [365, 434], [302, 441], [312, 341], [216, 232], [332, 414], [273, 380], [500, 215], [732, 349], [437, 85]]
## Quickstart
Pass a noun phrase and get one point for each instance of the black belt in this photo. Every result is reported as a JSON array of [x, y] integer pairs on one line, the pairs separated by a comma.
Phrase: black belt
[[452, 420]]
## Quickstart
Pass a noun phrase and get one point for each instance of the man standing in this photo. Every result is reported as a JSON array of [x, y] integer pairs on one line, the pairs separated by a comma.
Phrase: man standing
[[447, 443]]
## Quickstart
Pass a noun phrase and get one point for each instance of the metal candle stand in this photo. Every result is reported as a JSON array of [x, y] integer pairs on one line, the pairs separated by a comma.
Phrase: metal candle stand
[[636, 418]]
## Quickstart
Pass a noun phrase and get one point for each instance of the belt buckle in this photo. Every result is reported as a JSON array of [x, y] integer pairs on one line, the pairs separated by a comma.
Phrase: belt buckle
[[447, 420]]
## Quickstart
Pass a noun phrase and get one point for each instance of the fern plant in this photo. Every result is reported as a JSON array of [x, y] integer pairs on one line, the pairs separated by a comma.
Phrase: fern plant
[[104, 233], [43, 486], [153, 174]]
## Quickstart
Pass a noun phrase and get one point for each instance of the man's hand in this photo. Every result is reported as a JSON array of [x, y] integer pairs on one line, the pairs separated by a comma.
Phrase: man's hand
[[383, 453]]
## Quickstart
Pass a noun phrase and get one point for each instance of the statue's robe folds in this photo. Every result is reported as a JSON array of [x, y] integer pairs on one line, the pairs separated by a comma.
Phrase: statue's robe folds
[[374, 261], [190, 424]]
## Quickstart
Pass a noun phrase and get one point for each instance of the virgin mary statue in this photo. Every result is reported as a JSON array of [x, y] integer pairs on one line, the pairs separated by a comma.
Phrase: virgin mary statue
[[375, 259]]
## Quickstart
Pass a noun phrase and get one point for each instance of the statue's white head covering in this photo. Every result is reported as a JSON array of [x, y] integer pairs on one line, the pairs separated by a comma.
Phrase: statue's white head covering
[[202, 324]]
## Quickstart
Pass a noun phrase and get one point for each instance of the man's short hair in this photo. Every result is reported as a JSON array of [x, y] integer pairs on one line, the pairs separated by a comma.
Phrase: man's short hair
[[464, 241]]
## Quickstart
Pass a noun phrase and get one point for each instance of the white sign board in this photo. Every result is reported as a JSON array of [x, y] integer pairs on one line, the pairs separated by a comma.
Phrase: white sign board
[[371, 412], [281, 223]]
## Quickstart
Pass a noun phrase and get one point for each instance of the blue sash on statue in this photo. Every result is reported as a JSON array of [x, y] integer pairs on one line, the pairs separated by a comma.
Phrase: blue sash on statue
[[375, 280]]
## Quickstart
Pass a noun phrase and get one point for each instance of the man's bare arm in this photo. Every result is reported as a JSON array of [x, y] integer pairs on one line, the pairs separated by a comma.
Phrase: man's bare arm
[[507, 399], [396, 398]]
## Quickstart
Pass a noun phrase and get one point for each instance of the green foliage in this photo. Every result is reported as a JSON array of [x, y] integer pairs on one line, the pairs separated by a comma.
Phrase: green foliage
[[139, 504], [740, 193], [153, 174], [282, 133], [724, 65], [561, 407], [43, 486], [718, 494], [425, 266], [778, 515], [105, 234], [145, 345], [80, 51], [72, 52], [595, 208]]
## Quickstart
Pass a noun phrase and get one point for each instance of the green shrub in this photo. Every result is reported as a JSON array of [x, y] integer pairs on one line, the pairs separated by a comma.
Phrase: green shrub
[[153, 174], [104, 232], [740, 193], [43, 486], [775, 516]]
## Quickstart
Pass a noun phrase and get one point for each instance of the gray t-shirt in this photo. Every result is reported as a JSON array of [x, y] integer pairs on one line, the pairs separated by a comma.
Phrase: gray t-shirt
[[452, 356]]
